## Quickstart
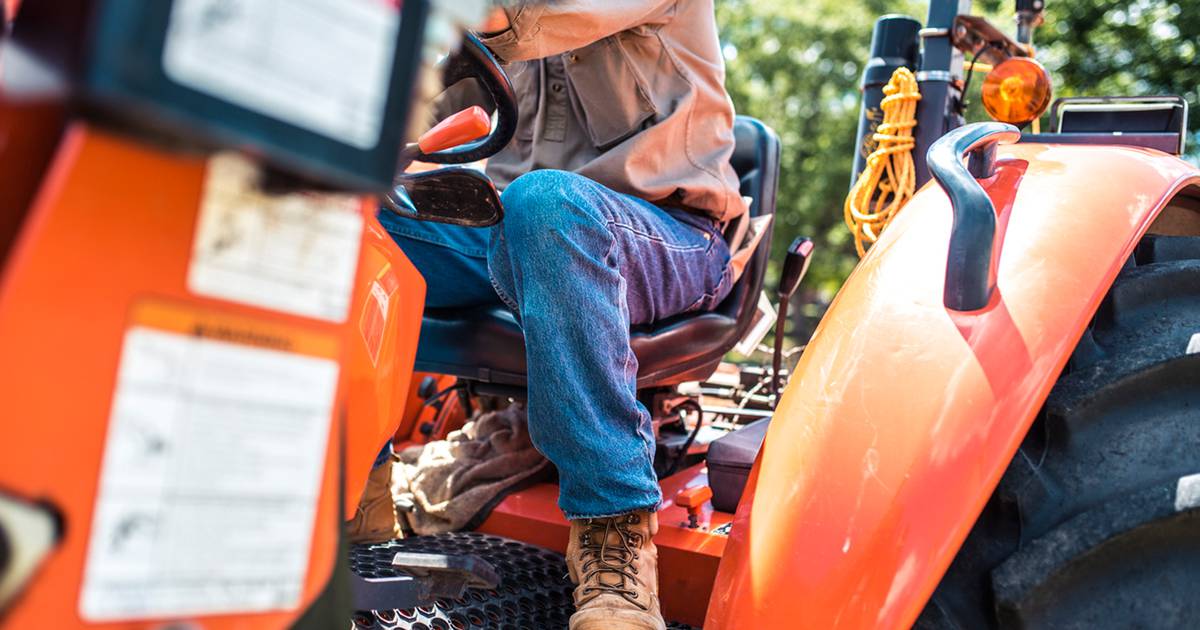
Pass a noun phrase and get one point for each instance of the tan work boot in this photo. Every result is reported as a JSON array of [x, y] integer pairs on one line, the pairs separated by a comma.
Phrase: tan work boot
[[615, 564], [375, 519]]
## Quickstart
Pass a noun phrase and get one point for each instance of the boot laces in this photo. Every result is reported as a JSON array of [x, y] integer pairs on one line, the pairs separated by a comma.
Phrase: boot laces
[[602, 558]]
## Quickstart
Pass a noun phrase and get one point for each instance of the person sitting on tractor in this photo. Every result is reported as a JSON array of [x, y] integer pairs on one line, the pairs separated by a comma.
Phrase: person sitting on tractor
[[616, 188]]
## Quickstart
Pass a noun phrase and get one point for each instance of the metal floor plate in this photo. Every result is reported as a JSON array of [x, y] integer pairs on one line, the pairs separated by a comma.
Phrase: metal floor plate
[[534, 591]]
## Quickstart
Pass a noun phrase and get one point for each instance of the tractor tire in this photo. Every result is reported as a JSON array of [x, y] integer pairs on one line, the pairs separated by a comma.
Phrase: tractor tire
[[1096, 521]]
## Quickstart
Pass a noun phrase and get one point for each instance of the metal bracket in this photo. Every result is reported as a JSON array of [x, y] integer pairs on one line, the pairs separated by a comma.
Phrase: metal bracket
[[936, 75], [429, 576]]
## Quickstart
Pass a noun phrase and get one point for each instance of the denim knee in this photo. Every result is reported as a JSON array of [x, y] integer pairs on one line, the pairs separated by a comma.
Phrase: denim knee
[[554, 227], [547, 201]]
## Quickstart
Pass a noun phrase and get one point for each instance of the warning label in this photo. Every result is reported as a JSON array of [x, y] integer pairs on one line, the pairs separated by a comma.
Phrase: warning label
[[294, 253], [212, 468]]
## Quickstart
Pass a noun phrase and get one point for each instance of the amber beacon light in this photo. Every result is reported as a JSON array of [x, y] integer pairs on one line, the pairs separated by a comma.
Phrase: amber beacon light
[[1017, 91]]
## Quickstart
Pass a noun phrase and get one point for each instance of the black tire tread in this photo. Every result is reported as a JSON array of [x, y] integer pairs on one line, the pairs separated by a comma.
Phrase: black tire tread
[[1094, 479], [1054, 577]]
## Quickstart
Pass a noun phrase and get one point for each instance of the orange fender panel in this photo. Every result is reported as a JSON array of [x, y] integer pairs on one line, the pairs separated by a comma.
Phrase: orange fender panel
[[108, 240], [107, 243], [902, 417], [386, 315]]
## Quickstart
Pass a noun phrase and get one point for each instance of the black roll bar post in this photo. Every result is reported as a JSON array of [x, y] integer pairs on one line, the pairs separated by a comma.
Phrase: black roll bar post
[[940, 80], [894, 44]]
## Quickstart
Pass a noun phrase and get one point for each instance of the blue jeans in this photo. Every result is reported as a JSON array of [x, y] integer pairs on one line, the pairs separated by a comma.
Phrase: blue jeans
[[579, 264]]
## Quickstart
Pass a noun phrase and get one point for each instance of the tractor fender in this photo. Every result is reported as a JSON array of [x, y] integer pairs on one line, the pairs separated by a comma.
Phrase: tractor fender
[[902, 416], [386, 320]]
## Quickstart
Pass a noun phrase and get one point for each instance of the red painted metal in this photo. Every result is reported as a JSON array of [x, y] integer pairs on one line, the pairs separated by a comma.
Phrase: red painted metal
[[902, 417]]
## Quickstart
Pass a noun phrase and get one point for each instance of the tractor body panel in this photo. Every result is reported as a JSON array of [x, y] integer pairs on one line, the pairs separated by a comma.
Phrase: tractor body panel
[[102, 262], [385, 323], [902, 416]]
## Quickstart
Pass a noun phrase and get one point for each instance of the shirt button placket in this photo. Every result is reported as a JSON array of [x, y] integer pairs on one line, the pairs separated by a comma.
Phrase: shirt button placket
[[556, 104]]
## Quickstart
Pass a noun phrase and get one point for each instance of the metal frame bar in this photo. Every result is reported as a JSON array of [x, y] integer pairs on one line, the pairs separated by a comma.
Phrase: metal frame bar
[[940, 79]]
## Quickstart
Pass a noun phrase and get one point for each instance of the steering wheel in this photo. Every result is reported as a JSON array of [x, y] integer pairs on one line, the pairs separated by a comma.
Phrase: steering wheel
[[474, 61]]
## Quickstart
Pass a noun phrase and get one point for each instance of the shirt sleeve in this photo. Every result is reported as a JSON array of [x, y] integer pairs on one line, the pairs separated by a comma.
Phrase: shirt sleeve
[[550, 29]]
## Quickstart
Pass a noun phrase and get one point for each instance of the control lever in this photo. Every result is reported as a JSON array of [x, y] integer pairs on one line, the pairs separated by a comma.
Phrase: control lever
[[470, 124], [799, 254], [693, 500], [457, 130]]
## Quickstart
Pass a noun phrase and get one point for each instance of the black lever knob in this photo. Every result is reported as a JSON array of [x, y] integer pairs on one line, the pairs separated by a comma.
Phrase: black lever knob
[[799, 255]]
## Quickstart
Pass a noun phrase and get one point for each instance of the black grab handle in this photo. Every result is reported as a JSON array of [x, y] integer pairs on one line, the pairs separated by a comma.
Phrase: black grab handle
[[970, 278], [475, 61]]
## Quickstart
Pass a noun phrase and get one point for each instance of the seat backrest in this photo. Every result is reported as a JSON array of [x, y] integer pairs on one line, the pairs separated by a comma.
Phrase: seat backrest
[[755, 159]]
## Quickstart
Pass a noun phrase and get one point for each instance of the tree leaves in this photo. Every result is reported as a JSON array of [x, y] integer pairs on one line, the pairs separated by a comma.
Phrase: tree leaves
[[796, 66]]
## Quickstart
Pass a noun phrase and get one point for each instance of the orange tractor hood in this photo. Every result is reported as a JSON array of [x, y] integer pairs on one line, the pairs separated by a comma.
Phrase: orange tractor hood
[[902, 415]]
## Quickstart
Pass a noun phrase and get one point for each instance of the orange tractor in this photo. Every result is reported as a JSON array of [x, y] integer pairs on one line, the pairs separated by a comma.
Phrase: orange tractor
[[206, 337]]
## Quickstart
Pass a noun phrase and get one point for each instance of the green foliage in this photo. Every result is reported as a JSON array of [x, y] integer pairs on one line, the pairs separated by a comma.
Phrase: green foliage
[[796, 65], [1105, 47]]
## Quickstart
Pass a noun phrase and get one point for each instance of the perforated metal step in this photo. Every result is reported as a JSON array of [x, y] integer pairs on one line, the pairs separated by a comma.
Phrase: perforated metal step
[[534, 591]]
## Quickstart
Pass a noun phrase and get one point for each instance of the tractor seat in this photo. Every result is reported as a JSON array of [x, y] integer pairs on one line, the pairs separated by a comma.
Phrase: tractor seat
[[484, 345]]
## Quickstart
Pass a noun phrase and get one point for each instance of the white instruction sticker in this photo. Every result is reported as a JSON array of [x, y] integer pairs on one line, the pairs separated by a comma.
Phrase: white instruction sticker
[[211, 475], [295, 253], [323, 65]]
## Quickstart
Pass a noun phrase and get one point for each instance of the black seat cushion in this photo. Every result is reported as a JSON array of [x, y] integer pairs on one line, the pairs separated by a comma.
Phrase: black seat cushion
[[485, 344]]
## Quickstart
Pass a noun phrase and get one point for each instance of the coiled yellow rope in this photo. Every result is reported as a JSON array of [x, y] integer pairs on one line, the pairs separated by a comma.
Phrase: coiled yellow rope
[[888, 180]]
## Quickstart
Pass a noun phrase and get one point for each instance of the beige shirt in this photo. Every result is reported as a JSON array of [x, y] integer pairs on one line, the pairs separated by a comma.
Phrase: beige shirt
[[629, 93]]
